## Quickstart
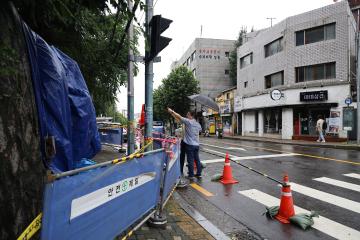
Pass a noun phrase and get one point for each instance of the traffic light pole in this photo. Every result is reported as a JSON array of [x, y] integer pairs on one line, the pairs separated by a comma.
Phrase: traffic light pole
[[130, 89], [149, 75], [358, 87]]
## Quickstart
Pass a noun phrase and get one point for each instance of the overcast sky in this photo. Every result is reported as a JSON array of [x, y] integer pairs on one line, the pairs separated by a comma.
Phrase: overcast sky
[[219, 19]]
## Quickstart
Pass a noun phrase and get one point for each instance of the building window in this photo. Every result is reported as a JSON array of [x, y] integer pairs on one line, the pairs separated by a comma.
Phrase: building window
[[274, 47], [246, 60], [317, 34], [245, 84], [226, 71], [194, 72], [227, 54], [227, 95], [188, 62], [193, 56], [275, 79], [315, 72]]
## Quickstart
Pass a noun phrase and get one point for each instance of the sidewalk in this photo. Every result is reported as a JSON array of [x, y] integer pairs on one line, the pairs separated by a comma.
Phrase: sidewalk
[[180, 226], [338, 145]]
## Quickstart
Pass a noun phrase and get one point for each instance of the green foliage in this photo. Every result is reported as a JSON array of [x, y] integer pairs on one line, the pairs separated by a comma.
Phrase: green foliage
[[174, 92], [118, 117], [90, 33], [233, 55]]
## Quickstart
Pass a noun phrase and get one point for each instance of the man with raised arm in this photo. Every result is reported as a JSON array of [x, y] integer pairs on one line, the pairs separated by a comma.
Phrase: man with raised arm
[[191, 138]]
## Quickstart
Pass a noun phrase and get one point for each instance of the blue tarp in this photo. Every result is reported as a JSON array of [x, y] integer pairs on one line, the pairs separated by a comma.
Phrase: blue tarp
[[65, 108], [104, 202], [173, 173]]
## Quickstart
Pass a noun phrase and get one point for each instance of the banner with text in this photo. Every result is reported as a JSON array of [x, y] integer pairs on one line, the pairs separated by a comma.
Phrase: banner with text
[[104, 202]]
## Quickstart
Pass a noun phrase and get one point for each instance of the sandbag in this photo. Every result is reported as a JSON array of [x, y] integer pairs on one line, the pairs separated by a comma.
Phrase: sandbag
[[304, 220]]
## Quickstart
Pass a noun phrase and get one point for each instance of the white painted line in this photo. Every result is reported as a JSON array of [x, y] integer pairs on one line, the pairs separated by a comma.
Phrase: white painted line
[[339, 183], [235, 148], [325, 225], [217, 152], [353, 175], [214, 160], [264, 156], [326, 197]]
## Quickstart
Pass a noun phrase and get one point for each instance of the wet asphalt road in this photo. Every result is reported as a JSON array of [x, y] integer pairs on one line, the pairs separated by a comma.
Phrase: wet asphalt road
[[234, 211]]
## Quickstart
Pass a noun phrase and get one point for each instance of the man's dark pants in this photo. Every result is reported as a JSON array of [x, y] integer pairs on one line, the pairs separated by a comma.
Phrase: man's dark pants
[[192, 153]]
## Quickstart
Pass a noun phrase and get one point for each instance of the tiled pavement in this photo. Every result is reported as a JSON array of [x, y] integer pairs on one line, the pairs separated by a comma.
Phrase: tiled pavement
[[180, 226]]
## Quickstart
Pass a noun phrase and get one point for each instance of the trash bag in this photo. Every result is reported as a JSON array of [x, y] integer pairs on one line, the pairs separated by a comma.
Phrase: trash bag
[[304, 220], [271, 212], [216, 177]]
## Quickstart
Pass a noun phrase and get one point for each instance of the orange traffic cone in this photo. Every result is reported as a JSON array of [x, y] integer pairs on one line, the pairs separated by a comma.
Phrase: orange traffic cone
[[142, 116], [227, 177], [286, 209]]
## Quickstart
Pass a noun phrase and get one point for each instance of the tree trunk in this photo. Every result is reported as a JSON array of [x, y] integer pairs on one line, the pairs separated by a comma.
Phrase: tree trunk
[[21, 169]]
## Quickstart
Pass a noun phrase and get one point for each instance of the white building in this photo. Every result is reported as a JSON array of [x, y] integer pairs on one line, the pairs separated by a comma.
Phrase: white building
[[208, 59], [309, 58]]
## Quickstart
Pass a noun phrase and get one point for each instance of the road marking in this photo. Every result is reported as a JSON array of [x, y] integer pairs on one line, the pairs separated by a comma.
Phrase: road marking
[[217, 152], [265, 156], [353, 175], [236, 158], [326, 197], [201, 189], [214, 160], [300, 154], [235, 148], [329, 227], [339, 183]]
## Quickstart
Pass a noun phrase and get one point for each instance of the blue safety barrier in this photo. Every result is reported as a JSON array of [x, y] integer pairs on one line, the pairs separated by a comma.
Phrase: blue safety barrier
[[112, 136], [103, 202], [172, 174]]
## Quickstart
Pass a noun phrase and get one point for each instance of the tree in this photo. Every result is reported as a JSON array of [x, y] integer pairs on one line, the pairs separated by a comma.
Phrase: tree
[[86, 31], [118, 117], [22, 172], [91, 34], [233, 55], [173, 92]]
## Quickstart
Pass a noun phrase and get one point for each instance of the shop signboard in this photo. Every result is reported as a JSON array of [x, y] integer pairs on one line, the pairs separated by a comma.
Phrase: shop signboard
[[314, 96], [225, 107], [276, 94], [334, 122], [237, 104]]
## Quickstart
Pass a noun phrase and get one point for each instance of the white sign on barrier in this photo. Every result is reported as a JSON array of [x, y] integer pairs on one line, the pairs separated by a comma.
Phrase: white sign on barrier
[[103, 195]]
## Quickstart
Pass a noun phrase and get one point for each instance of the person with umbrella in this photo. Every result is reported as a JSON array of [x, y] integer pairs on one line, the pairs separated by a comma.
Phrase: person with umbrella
[[191, 138]]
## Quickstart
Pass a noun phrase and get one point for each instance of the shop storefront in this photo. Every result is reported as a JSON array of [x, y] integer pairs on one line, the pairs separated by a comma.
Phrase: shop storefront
[[305, 118]]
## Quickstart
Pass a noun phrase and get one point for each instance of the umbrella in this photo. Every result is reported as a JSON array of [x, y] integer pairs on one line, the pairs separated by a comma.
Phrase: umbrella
[[204, 100]]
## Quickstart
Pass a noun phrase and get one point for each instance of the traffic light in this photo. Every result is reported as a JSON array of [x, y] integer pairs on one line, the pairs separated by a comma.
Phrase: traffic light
[[157, 42]]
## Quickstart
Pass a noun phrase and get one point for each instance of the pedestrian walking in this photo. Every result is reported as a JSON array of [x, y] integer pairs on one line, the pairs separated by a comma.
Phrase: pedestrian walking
[[191, 139], [320, 128]]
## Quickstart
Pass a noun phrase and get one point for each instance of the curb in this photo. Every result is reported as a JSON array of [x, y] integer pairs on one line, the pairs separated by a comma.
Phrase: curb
[[200, 219], [337, 146]]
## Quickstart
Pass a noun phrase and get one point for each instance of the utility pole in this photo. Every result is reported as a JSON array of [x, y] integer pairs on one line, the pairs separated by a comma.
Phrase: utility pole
[[130, 88], [271, 20], [149, 75], [358, 87]]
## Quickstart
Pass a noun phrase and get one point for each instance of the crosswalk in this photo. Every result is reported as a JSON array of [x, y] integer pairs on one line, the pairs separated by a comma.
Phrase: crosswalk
[[328, 226]]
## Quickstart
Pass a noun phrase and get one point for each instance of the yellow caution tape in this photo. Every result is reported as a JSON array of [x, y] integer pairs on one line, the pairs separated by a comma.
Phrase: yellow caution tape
[[34, 226]]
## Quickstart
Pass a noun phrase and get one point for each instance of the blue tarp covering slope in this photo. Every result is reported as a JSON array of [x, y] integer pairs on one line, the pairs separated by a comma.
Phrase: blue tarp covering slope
[[64, 104]]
